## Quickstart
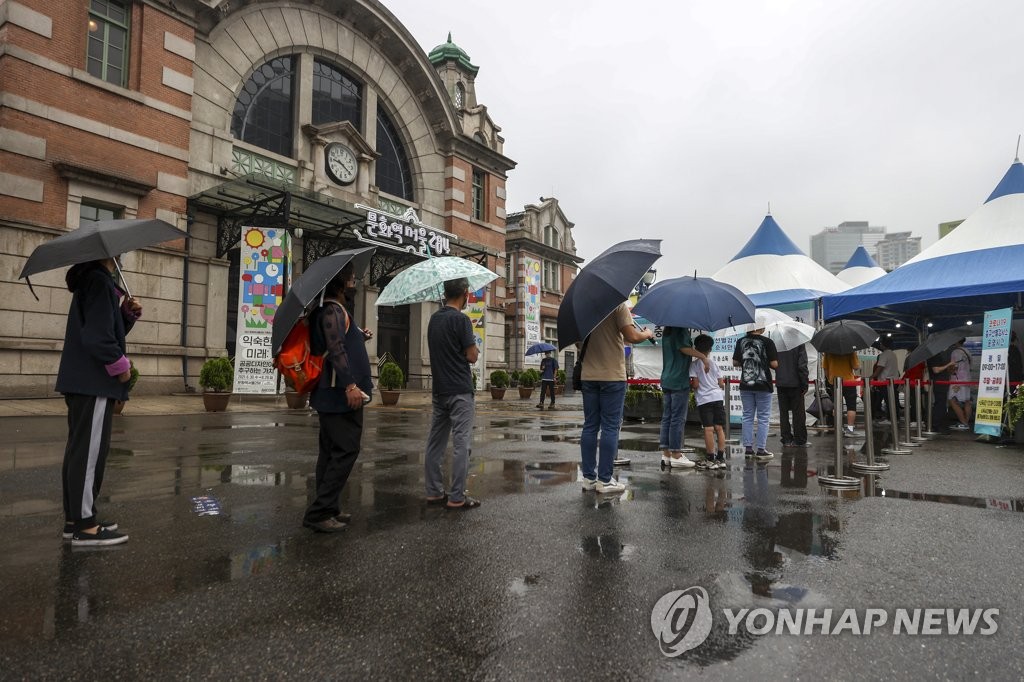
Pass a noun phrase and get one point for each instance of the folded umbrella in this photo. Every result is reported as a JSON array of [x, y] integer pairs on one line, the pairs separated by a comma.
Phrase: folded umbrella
[[307, 287], [695, 303], [843, 336], [938, 342], [602, 285], [540, 348], [99, 240], [425, 280]]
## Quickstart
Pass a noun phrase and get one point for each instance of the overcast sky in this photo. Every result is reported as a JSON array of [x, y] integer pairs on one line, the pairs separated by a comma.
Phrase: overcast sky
[[683, 120]]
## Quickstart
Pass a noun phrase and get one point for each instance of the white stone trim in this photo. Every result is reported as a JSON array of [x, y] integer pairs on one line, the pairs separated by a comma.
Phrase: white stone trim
[[500, 212], [455, 195], [78, 190], [62, 117], [179, 46], [19, 143], [172, 184], [499, 191], [28, 19], [21, 187], [455, 172], [178, 81]]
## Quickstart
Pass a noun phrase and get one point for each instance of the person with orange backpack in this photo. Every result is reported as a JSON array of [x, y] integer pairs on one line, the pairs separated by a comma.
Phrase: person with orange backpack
[[343, 387]]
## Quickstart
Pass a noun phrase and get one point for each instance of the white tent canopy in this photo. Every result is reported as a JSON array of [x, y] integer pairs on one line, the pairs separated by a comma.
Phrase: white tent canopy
[[861, 268]]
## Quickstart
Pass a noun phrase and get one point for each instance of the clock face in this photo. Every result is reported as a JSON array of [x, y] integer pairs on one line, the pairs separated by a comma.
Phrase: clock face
[[341, 164]]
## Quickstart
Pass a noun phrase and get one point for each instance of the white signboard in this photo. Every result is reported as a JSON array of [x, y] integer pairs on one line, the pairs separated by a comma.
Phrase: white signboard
[[404, 233], [995, 345]]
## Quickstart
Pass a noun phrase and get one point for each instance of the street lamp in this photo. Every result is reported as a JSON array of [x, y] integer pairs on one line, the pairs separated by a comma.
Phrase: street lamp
[[645, 282]]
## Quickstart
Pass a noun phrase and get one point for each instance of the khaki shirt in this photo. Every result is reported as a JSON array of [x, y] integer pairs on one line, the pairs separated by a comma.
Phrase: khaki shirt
[[606, 357]]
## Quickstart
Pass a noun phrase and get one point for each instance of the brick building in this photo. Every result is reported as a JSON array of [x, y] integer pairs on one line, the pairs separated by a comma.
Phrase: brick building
[[215, 116]]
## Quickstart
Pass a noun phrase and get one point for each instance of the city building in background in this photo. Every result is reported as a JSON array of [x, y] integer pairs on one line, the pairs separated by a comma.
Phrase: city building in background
[[896, 249], [542, 262], [947, 227], [327, 121], [833, 246]]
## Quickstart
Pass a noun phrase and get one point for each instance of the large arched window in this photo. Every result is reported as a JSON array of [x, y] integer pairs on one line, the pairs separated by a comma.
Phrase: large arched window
[[393, 174], [263, 111], [336, 96]]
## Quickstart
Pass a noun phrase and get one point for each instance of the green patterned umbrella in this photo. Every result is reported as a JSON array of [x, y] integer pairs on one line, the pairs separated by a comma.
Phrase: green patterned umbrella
[[425, 281]]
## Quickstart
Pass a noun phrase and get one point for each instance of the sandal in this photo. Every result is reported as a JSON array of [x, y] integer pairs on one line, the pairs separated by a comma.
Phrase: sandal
[[437, 500], [469, 503]]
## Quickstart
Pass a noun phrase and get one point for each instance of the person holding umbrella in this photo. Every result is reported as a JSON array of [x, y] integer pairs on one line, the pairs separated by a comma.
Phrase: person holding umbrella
[[338, 397], [844, 365], [756, 356], [548, 367], [94, 372]]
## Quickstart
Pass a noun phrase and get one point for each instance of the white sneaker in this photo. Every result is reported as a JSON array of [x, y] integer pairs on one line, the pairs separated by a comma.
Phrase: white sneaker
[[612, 486], [589, 483], [848, 429], [681, 462]]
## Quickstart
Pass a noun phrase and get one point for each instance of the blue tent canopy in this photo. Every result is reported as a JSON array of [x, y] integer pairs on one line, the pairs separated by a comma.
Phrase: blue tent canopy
[[861, 259]]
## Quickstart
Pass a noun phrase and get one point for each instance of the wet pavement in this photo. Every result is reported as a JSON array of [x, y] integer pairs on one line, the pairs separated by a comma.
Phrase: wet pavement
[[220, 580]]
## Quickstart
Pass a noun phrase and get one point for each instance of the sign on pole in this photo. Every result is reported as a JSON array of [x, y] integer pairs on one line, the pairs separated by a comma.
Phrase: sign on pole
[[262, 265], [721, 355], [995, 344], [476, 310]]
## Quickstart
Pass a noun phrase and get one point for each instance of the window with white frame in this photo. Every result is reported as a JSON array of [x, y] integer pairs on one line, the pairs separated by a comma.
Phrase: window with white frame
[[551, 237], [552, 278]]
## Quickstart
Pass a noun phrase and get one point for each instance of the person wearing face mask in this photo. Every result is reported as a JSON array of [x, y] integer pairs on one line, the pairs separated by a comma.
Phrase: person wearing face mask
[[453, 351], [344, 387], [93, 373]]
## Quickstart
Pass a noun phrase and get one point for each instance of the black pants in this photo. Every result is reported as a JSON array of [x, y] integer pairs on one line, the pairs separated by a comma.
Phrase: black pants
[[547, 387], [85, 457], [940, 400], [340, 436], [791, 400]]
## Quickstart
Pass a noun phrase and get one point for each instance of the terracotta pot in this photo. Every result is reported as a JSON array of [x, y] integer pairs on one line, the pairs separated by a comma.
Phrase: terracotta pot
[[296, 401], [119, 406], [497, 393], [525, 393], [216, 402], [389, 397], [559, 389]]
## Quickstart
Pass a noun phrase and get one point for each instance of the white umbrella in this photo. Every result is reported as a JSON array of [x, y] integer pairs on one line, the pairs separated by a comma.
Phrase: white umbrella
[[789, 335], [763, 317]]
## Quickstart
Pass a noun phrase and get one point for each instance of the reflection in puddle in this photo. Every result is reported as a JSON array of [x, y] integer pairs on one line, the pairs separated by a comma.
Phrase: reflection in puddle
[[520, 586], [256, 561], [999, 504], [606, 547]]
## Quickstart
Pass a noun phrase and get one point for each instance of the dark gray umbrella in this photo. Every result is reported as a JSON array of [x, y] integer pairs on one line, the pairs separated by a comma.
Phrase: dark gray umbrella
[[602, 285], [938, 342], [844, 336], [98, 240], [307, 287]]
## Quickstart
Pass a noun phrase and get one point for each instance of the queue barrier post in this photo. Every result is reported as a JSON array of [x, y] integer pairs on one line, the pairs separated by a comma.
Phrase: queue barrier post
[[895, 449], [920, 437], [870, 466], [907, 441], [838, 481]]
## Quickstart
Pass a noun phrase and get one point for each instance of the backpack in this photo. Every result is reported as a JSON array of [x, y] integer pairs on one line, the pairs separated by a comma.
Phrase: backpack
[[298, 364]]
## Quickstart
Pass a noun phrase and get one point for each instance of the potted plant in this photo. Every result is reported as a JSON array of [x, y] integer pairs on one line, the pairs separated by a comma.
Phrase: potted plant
[[514, 378], [390, 382], [1015, 413], [560, 382], [643, 402], [527, 380], [119, 404], [296, 401], [216, 378], [499, 382]]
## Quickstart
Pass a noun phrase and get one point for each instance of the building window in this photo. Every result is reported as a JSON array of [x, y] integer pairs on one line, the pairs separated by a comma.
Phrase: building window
[[552, 278], [336, 96], [460, 95], [107, 56], [95, 211], [478, 194], [551, 335], [393, 175], [263, 111], [551, 237]]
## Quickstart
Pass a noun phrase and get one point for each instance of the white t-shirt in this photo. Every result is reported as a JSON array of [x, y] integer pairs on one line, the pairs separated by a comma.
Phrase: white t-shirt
[[708, 390]]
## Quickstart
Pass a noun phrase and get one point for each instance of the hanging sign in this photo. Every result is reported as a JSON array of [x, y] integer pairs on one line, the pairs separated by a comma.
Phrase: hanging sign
[[403, 233], [476, 310], [531, 297], [995, 344], [262, 264], [721, 355]]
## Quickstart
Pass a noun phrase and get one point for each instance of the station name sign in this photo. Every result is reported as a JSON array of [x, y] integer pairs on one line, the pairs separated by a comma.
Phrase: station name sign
[[404, 233]]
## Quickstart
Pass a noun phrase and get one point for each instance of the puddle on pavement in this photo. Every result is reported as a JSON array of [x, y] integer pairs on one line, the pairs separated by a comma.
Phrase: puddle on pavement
[[996, 503], [520, 586], [608, 547]]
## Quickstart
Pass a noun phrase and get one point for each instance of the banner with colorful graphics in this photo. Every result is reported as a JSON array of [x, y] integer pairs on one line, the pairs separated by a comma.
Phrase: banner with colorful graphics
[[531, 296], [263, 262], [721, 355], [995, 346], [476, 310]]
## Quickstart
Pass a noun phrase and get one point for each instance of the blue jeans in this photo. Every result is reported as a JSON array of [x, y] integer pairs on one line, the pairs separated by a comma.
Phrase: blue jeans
[[602, 411], [673, 419], [756, 404]]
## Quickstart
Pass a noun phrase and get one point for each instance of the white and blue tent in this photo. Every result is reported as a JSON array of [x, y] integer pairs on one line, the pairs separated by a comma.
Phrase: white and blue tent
[[978, 266], [860, 269], [773, 271]]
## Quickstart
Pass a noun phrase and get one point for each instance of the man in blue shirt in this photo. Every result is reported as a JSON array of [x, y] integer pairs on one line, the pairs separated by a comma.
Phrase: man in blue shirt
[[548, 367]]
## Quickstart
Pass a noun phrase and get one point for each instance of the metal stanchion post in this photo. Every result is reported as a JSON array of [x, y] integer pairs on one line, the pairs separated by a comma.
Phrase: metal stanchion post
[[920, 437], [870, 466], [931, 397], [907, 441], [728, 415], [838, 481], [895, 449]]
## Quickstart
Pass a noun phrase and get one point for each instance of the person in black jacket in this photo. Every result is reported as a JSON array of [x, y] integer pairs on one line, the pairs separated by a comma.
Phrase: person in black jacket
[[344, 386], [94, 372], [791, 383]]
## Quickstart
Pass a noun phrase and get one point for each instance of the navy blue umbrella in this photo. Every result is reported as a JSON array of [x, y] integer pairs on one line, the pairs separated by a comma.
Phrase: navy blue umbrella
[[602, 285], [540, 348], [695, 303]]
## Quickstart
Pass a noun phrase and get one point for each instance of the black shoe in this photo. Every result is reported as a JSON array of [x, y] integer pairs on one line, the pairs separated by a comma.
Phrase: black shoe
[[342, 517], [540, 407], [101, 538], [748, 452], [328, 525], [69, 528]]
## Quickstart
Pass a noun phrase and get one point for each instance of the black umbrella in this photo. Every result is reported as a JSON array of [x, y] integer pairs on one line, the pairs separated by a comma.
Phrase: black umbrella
[[98, 240], [938, 342], [844, 336], [602, 285], [307, 287]]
